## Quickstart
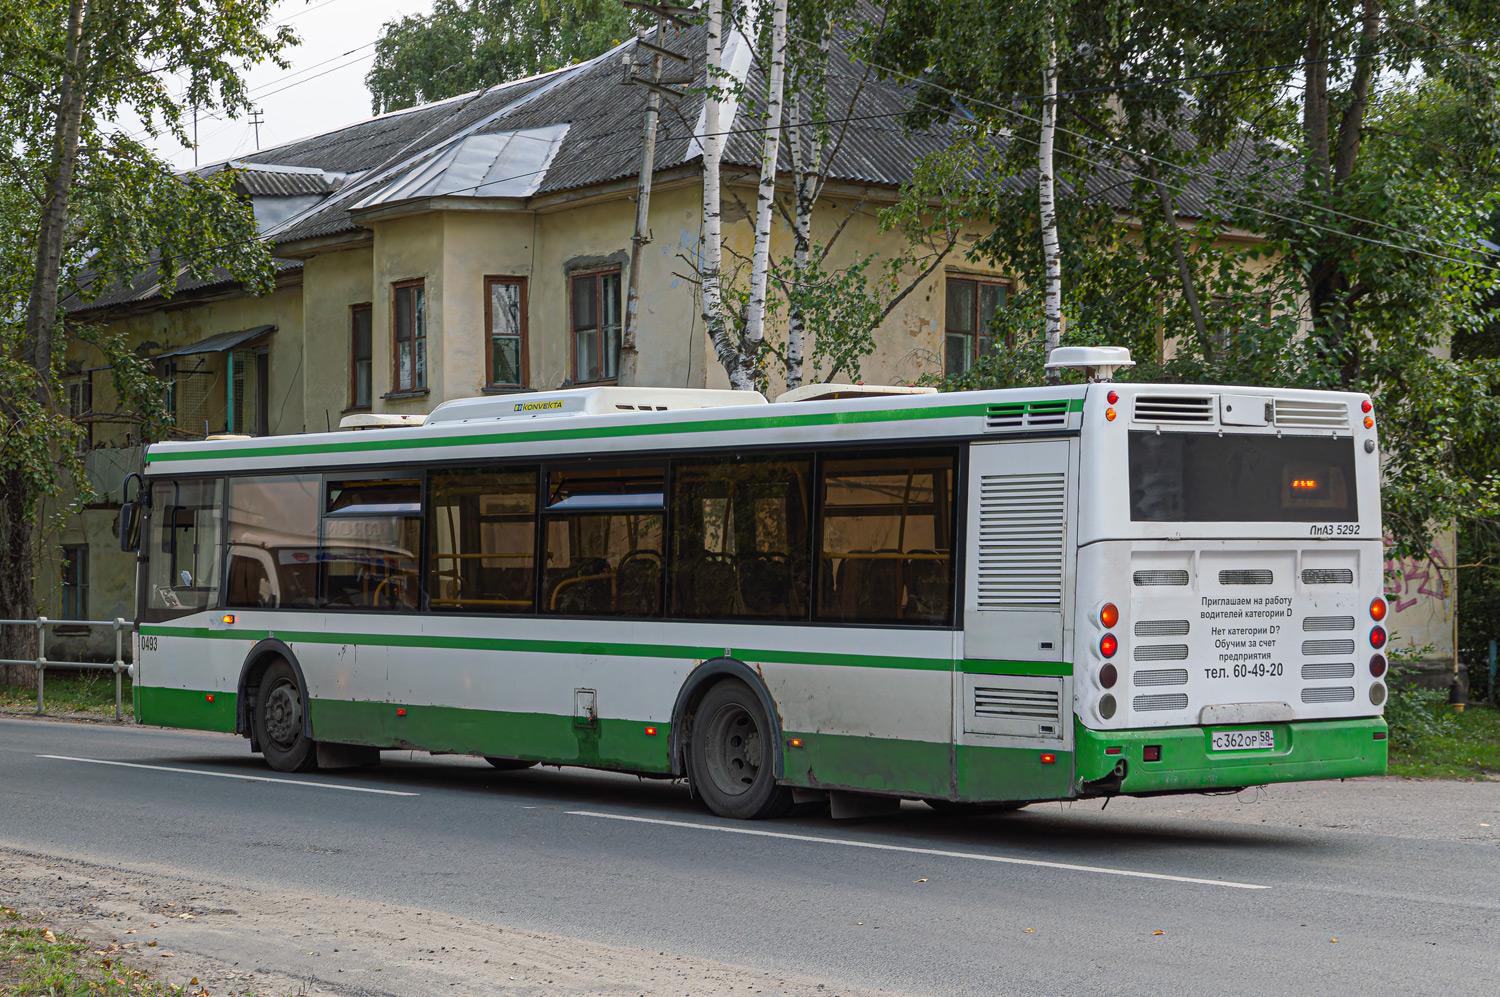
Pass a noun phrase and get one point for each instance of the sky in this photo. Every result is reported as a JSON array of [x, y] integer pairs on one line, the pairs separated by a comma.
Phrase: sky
[[323, 89]]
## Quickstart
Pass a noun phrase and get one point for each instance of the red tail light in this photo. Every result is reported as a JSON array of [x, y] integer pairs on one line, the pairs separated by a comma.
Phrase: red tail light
[[1108, 676], [1151, 753], [1108, 645], [1377, 637], [1377, 665]]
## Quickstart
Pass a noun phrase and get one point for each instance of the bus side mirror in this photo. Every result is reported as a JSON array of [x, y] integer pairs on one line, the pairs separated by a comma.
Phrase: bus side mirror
[[130, 527]]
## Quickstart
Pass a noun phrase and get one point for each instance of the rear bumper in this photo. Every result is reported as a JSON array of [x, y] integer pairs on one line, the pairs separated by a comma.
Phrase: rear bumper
[[1319, 749]]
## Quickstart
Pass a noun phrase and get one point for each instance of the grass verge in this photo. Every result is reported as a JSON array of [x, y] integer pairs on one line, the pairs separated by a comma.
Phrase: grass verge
[[35, 961], [1430, 741], [91, 693]]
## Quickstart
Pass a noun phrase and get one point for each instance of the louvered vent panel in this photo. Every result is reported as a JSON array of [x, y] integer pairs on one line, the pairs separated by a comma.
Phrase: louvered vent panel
[[1160, 576], [1160, 676], [1161, 652], [1329, 694], [1017, 704], [1328, 647], [1026, 415], [1328, 670], [1291, 414], [1327, 576], [1160, 701], [1246, 576], [1022, 522], [1173, 408], [1328, 623], [1161, 628]]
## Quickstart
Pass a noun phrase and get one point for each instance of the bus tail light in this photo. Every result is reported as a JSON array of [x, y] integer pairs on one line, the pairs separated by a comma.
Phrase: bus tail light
[[1377, 665], [1151, 753], [1377, 609], [1108, 645], [1377, 637], [1108, 676], [1366, 407], [1049, 759], [1112, 397], [1369, 422], [1106, 707], [1109, 415], [1109, 615], [1377, 694]]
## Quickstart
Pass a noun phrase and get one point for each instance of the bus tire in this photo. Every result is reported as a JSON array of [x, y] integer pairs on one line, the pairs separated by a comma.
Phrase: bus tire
[[955, 808], [508, 764], [280, 728], [732, 755]]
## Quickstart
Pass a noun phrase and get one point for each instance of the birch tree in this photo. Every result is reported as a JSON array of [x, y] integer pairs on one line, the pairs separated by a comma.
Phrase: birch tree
[[743, 378], [1047, 196], [710, 266]]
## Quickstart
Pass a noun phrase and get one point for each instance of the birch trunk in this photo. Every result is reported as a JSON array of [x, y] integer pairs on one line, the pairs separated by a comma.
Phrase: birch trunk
[[755, 309], [711, 271], [1047, 202], [805, 167]]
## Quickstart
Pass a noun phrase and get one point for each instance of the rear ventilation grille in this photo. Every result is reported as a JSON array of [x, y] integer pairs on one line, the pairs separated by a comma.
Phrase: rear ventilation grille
[[1174, 408], [1160, 701], [1024, 706], [1160, 676], [1292, 414], [1026, 415], [1328, 670], [1022, 522], [1161, 628], [1327, 576], [1328, 623], [1246, 576], [1016, 704], [1160, 576], [1162, 652], [1328, 647], [1329, 694]]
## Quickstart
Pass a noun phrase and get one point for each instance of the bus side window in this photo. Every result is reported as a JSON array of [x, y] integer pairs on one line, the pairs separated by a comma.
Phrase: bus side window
[[603, 531], [481, 541], [184, 548], [371, 535], [739, 538], [273, 540], [886, 539]]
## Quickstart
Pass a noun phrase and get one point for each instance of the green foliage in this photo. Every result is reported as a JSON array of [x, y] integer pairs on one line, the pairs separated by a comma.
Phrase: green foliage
[[1416, 714], [39, 962], [464, 45]]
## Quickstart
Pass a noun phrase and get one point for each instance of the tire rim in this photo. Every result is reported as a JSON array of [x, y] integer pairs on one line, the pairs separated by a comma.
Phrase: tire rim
[[734, 750], [283, 712]]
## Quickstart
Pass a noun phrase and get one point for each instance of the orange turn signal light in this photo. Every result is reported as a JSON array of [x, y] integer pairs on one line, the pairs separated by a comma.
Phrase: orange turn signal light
[[795, 742], [1109, 415], [1109, 615], [1377, 609], [228, 617], [1369, 421]]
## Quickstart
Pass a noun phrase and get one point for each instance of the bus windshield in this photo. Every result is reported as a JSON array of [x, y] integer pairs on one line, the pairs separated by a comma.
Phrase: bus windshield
[[1204, 477]]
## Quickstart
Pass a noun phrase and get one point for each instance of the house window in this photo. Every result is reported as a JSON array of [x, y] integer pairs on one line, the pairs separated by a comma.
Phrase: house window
[[75, 582], [359, 356], [596, 326], [505, 324], [967, 336], [410, 323], [80, 406]]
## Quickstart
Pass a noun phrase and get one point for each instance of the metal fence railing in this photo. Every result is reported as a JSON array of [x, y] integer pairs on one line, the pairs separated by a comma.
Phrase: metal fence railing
[[41, 663]]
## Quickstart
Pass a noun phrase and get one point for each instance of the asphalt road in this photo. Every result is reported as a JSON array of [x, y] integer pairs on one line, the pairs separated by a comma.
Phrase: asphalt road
[[1050, 900]]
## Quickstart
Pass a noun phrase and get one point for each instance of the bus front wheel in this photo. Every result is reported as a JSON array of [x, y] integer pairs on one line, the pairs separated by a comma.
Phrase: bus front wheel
[[732, 755], [279, 725]]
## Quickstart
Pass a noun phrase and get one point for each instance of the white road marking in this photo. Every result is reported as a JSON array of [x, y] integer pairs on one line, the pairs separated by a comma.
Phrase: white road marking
[[231, 775], [941, 853]]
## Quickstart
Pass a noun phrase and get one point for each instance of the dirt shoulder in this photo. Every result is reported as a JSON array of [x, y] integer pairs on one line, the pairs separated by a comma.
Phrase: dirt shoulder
[[237, 940]]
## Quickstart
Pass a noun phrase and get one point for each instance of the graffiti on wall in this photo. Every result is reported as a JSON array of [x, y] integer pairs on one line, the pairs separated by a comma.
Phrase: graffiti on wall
[[1409, 580]]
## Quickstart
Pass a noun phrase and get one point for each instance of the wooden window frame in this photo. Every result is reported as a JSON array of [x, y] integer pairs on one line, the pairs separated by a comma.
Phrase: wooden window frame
[[977, 281], [354, 403], [77, 555], [397, 389], [598, 275], [490, 281]]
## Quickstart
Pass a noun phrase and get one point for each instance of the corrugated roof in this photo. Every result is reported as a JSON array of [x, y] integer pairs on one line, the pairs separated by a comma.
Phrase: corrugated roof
[[583, 126], [218, 344]]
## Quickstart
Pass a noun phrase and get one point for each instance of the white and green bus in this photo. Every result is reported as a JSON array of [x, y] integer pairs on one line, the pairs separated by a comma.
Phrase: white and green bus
[[976, 599]]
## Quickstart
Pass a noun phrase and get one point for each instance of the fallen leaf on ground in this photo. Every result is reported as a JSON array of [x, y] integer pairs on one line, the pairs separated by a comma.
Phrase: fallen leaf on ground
[[166, 955], [150, 945], [1158, 931], [1031, 931], [48, 936]]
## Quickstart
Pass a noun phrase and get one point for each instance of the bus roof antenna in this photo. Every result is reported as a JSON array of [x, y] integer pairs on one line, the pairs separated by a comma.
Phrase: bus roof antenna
[[1098, 363]]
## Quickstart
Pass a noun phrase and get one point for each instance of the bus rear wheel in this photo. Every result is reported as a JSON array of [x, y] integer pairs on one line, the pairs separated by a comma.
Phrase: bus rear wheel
[[732, 755], [280, 707]]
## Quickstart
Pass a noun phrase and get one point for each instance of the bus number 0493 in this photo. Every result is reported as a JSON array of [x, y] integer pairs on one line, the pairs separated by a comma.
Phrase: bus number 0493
[[148, 643]]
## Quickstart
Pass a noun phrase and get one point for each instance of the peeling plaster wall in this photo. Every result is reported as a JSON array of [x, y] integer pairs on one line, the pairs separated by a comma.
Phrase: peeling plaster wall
[[476, 245], [335, 281], [406, 249]]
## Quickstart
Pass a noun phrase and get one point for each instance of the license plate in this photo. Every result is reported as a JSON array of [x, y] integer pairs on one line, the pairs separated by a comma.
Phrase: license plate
[[1243, 740]]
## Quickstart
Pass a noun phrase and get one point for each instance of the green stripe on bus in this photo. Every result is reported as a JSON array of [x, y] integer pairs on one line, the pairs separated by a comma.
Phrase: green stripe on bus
[[393, 441], [686, 652]]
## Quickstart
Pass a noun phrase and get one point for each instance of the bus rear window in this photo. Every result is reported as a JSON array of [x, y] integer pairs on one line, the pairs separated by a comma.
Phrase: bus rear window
[[1204, 477]]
